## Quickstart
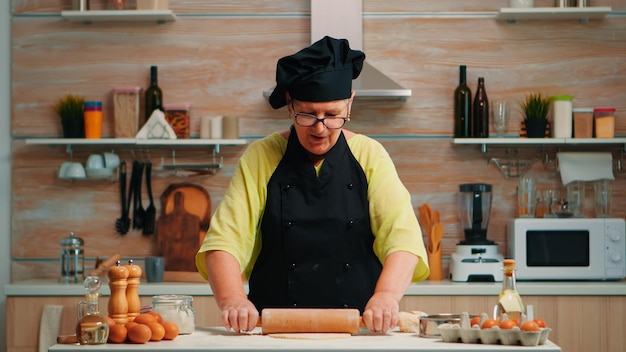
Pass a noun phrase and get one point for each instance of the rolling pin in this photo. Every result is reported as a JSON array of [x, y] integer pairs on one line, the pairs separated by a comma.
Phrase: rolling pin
[[310, 320]]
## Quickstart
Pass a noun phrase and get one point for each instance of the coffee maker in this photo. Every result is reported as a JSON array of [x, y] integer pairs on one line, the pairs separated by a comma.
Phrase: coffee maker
[[476, 258]]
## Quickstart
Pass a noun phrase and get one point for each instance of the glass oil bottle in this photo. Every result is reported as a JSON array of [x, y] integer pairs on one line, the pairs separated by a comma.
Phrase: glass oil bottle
[[91, 328], [509, 300]]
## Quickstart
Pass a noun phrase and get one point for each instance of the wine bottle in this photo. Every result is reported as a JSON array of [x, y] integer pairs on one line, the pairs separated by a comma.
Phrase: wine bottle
[[509, 300], [154, 95], [480, 116], [462, 107]]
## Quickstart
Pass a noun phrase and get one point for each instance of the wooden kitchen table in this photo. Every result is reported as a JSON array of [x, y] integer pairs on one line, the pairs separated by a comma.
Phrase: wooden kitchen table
[[218, 339]]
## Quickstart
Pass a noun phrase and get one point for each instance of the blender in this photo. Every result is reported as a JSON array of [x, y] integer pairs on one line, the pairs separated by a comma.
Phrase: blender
[[476, 258]]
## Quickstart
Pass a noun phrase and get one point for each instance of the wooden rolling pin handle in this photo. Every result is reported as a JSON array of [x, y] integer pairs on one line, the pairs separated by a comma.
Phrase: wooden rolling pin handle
[[105, 265], [308, 320]]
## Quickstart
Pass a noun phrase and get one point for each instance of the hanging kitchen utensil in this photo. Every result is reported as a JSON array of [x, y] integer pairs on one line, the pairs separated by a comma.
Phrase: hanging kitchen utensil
[[132, 203], [139, 213], [182, 225], [178, 236], [150, 216], [122, 224], [434, 253]]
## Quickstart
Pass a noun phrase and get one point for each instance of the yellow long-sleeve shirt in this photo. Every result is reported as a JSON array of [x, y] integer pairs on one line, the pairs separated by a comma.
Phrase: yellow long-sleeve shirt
[[235, 226]]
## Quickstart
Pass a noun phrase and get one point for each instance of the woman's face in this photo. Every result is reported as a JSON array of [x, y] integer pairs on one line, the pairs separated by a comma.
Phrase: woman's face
[[318, 139]]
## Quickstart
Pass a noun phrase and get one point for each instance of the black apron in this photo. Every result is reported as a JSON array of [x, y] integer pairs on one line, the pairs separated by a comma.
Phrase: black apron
[[316, 236]]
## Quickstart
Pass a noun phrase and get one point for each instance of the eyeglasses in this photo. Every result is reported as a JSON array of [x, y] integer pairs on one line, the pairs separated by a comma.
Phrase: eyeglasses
[[308, 120]]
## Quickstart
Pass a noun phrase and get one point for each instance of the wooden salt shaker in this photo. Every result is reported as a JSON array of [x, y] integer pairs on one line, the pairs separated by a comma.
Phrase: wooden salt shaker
[[118, 304], [132, 291]]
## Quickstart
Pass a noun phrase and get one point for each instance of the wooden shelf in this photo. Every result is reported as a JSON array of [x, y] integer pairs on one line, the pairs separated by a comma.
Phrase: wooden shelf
[[485, 142], [583, 14], [133, 141], [158, 16]]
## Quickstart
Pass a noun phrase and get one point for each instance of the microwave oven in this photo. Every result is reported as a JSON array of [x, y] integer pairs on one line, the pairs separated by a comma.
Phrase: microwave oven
[[568, 249]]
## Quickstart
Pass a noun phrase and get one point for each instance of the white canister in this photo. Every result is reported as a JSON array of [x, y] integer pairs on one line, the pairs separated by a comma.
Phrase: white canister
[[521, 3], [562, 116]]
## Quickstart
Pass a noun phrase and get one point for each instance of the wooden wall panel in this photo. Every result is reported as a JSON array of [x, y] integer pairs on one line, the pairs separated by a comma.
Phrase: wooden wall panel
[[220, 55]]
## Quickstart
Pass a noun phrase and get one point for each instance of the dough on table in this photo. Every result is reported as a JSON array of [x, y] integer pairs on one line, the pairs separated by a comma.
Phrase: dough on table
[[311, 336], [410, 321]]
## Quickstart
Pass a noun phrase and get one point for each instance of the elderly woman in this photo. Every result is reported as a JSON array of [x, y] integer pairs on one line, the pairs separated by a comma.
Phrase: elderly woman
[[315, 216]]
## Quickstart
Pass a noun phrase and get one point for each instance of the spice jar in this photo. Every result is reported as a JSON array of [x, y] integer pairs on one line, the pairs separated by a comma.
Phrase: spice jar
[[72, 259], [177, 309], [126, 111], [177, 115], [604, 119]]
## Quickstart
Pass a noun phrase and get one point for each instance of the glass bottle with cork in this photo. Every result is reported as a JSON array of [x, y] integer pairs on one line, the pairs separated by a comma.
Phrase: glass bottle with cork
[[480, 114], [462, 106], [509, 300], [91, 328], [154, 94]]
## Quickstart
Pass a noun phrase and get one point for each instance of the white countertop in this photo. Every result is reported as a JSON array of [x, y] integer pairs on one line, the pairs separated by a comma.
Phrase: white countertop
[[425, 288], [218, 339]]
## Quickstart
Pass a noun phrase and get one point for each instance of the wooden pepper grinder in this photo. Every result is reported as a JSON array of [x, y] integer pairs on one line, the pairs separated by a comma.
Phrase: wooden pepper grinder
[[132, 291], [118, 305]]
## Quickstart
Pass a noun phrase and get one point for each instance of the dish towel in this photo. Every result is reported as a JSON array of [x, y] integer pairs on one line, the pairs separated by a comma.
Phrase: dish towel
[[49, 326], [585, 166]]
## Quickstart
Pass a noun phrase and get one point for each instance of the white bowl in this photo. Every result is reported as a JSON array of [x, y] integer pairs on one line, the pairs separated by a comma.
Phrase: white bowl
[[99, 173], [95, 161], [74, 170], [111, 160]]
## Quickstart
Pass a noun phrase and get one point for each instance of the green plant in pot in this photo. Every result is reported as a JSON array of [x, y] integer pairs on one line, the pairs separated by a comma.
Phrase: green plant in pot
[[70, 110], [535, 108]]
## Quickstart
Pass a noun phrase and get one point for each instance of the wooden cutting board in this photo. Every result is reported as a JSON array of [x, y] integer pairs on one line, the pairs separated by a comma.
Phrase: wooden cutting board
[[184, 220]]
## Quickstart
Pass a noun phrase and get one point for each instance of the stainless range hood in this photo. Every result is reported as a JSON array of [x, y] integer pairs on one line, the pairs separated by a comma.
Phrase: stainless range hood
[[344, 19]]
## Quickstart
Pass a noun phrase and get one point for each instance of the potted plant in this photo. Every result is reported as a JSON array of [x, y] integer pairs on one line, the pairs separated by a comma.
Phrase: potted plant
[[535, 108], [70, 110]]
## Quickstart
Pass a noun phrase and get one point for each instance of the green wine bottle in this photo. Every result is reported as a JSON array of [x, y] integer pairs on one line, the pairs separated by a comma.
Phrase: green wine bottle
[[462, 107], [154, 95]]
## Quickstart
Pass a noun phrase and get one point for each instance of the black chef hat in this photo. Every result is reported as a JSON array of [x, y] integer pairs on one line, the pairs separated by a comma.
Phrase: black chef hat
[[321, 72]]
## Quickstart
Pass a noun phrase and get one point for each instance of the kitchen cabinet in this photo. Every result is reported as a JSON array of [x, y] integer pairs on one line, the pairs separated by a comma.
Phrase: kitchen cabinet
[[158, 16], [584, 316], [583, 14]]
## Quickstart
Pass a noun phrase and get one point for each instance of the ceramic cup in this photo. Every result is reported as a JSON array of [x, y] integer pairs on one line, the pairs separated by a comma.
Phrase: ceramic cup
[[72, 170], [111, 160], [155, 266], [95, 161]]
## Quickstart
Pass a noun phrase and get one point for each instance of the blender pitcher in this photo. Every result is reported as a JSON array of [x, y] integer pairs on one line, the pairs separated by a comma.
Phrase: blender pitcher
[[474, 202]]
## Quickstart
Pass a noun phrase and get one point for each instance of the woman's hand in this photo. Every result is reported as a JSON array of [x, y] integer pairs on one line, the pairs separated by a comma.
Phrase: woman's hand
[[239, 314], [381, 312]]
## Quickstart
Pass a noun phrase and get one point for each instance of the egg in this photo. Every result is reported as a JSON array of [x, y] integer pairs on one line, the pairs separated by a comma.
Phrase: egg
[[530, 326], [158, 316], [118, 333], [139, 333], [489, 323], [145, 318], [475, 321], [508, 324], [158, 331], [171, 330], [540, 322]]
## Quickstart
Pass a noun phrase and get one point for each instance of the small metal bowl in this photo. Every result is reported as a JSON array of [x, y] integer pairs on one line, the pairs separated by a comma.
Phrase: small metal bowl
[[429, 323]]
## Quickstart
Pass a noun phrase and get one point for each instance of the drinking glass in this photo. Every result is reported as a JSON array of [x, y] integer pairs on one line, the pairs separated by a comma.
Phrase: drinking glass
[[500, 111], [526, 197]]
